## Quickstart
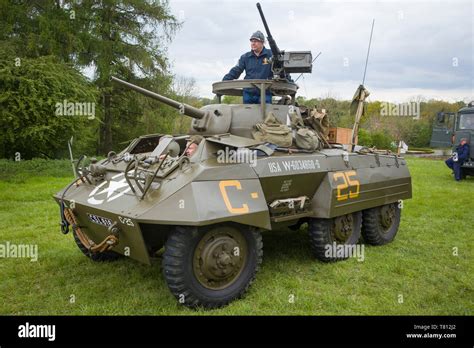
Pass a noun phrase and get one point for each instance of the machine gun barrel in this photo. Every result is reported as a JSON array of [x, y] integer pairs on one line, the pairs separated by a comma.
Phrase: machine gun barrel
[[185, 109], [275, 50]]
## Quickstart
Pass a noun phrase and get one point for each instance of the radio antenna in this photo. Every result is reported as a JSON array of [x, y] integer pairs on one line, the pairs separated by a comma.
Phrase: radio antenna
[[368, 51], [359, 97]]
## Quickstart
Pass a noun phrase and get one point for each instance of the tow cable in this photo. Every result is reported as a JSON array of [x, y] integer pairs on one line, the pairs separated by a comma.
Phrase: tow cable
[[108, 243], [69, 219]]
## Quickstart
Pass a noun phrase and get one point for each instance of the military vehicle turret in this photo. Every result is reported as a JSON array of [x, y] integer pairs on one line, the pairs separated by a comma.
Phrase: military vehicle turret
[[207, 209]]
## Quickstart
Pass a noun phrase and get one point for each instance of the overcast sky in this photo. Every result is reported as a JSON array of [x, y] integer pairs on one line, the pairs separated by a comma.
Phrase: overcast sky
[[418, 47]]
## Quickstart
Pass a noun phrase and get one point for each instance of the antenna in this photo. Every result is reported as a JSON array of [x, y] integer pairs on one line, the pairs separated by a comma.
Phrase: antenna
[[69, 145], [368, 51], [360, 96], [311, 63]]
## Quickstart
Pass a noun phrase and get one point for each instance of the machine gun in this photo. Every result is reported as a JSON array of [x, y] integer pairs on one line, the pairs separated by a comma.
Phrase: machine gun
[[286, 62]]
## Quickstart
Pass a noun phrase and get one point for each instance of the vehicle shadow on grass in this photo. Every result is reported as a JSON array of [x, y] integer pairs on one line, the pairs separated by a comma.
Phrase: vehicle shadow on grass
[[286, 244]]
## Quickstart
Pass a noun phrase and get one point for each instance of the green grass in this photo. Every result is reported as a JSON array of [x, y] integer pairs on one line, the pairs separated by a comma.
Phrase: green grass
[[419, 264]]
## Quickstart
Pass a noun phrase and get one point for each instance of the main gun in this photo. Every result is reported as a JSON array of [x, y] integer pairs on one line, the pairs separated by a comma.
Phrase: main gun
[[183, 108]]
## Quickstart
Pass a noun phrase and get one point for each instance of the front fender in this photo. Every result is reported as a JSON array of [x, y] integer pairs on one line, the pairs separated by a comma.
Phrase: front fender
[[209, 202]]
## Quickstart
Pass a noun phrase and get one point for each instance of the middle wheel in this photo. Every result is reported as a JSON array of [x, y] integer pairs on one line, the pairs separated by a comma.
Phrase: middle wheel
[[326, 233]]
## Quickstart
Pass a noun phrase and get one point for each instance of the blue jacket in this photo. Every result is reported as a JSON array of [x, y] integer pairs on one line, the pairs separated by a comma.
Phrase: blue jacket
[[255, 67], [463, 152]]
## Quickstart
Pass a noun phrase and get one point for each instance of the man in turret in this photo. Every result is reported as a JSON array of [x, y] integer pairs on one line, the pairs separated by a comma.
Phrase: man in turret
[[256, 64]]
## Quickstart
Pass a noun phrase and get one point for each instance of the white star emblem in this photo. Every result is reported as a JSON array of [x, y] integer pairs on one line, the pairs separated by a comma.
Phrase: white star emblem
[[114, 190]]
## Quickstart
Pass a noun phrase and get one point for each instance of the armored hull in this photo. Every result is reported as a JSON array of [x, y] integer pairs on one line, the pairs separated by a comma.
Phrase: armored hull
[[207, 191]]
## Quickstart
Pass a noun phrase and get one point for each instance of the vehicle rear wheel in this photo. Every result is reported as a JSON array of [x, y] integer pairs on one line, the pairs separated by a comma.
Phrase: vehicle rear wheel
[[98, 257], [327, 234], [211, 266], [380, 224]]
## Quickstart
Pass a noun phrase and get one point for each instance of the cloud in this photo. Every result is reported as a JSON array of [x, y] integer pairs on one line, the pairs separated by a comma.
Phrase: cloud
[[418, 47]]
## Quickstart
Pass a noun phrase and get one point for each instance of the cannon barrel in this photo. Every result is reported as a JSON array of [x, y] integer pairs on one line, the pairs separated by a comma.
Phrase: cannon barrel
[[185, 109]]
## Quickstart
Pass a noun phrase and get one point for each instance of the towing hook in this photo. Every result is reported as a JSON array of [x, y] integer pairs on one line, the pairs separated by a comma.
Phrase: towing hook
[[64, 223], [64, 227], [114, 230]]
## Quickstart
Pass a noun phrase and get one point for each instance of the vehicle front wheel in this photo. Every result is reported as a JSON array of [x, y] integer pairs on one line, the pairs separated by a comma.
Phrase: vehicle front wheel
[[211, 266]]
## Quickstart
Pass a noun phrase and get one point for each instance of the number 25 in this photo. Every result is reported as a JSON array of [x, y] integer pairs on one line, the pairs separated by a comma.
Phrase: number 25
[[348, 181]]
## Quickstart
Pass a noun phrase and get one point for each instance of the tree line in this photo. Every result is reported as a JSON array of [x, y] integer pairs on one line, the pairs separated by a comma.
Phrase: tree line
[[64, 52], [56, 60]]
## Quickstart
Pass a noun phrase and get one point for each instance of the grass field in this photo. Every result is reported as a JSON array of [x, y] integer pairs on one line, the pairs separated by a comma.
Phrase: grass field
[[417, 274]]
